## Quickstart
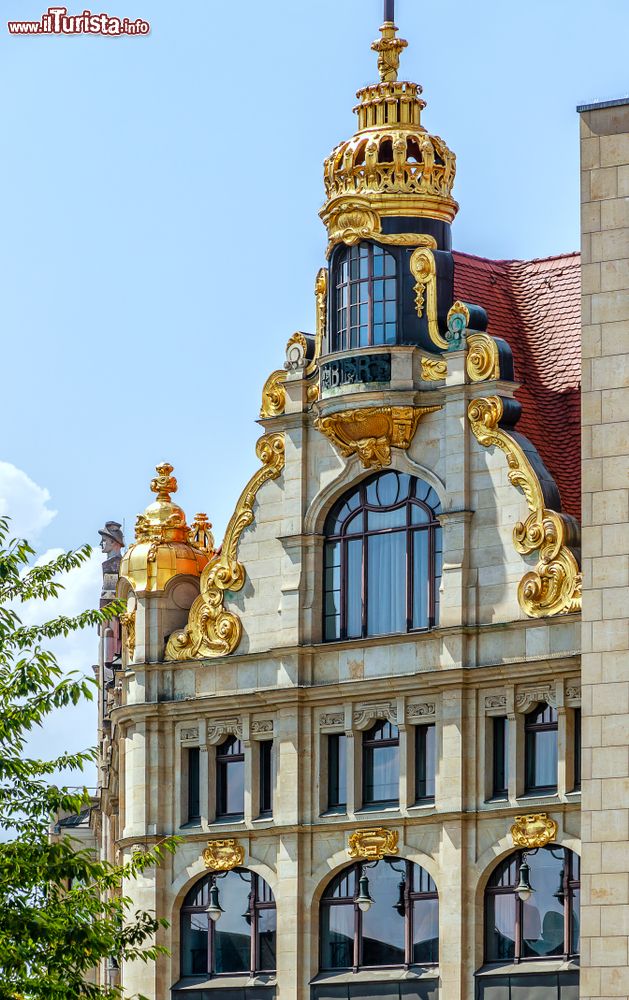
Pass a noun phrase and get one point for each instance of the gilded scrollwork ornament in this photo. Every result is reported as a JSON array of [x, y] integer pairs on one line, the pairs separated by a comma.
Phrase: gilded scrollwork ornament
[[127, 620], [274, 395], [554, 586], [213, 631], [433, 369], [424, 270], [373, 844], [483, 362], [371, 432], [533, 830], [321, 307], [458, 321], [351, 220], [223, 855]]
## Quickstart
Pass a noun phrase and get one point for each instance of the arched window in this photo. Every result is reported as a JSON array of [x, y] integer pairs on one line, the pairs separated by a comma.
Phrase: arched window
[[365, 298], [381, 764], [540, 729], [546, 925], [400, 927], [242, 940], [230, 778], [382, 558]]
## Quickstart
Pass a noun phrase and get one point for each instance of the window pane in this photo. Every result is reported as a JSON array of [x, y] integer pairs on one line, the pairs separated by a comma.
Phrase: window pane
[[378, 265], [421, 580], [381, 777], [337, 773], [425, 931], [266, 777], [501, 757], [425, 762], [353, 597], [194, 943], [542, 759], [383, 924], [389, 263], [232, 933], [267, 924], [388, 489], [576, 920], [379, 519], [337, 936], [500, 927], [386, 587], [193, 784], [577, 748], [543, 913]]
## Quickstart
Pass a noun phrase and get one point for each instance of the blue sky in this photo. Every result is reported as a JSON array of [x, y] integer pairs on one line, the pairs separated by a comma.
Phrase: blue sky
[[159, 233]]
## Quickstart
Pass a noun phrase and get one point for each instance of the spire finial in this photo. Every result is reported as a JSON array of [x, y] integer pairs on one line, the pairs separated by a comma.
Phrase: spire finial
[[164, 484], [389, 47]]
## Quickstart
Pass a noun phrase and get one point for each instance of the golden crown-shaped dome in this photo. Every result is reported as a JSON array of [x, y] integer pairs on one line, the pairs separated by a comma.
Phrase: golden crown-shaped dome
[[392, 165], [164, 545]]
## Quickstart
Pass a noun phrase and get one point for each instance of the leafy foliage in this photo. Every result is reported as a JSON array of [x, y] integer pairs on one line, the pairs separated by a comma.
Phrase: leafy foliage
[[62, 910]]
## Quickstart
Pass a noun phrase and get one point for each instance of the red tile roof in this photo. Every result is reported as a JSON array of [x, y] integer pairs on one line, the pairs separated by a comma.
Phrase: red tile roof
[[535, 305]]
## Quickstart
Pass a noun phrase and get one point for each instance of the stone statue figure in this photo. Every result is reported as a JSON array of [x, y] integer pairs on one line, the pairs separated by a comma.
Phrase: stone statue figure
[[111, 544]]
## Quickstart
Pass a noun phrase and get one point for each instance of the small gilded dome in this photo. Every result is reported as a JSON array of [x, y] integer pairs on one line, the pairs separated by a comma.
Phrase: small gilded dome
[[392, 165], [164, 545]]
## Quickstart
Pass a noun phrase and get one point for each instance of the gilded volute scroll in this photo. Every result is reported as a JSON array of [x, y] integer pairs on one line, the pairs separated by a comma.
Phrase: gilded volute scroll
[[211, 630]]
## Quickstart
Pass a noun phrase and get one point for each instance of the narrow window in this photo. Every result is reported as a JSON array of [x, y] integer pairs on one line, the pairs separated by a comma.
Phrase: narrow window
[[230, 779], [500, 758], [425, 763], [381, 766], [365, 311], [337, 772], [266, 778], [194, 809], [541, 749], [577, 749]]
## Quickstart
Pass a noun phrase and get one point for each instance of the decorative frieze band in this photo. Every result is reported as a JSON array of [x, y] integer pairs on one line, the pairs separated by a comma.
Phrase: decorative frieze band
[[262, 727], [219, 729], [365, 715], [420, 710], [190, 735], [331, 720], [525, 700]]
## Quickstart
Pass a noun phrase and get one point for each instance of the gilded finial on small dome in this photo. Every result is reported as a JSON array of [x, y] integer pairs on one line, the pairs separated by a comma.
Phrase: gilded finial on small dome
[[389, 47], [164, 484]]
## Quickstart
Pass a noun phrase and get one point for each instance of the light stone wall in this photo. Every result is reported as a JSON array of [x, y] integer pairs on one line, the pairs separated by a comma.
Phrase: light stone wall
[[605, 434]]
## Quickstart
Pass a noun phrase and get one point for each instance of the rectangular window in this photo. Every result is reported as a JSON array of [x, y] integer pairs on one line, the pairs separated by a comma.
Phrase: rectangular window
[[337, 771], [577, 749], [425, 763], [500, 781], [266, 778], [194, 808]]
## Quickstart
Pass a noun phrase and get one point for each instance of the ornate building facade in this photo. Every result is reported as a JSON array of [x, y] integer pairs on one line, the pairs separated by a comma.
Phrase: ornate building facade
[[361, 713]]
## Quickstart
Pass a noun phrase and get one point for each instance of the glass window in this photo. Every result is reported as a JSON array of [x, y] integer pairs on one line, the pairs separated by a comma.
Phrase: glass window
[[500, 781], [266, 777], [546, 925], [243, 940], [337, 771], [194, 808], [541, 749], [230, 778], [400, 928], [365, 311], [577, 749], [381, 764], [382, 559], [425, 763]]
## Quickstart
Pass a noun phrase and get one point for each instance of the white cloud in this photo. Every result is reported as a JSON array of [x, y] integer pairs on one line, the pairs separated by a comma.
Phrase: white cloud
[[25, 502]]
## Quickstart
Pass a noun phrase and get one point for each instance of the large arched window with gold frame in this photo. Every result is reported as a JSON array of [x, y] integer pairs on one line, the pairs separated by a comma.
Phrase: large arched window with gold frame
[[383, 556]]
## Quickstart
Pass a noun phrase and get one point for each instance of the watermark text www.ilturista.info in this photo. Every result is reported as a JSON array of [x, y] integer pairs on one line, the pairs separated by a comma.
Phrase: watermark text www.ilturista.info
[[57, 21]]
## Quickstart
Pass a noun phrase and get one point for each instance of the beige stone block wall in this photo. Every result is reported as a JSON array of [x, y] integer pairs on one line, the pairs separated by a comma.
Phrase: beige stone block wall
[[605, 631]]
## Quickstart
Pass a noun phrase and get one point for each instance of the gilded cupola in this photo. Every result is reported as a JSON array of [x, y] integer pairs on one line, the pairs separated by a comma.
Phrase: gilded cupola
[[165, 546], [391, 168]]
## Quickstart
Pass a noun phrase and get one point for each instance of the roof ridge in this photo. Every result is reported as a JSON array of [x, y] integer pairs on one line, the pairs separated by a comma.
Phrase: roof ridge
[[571, 254]]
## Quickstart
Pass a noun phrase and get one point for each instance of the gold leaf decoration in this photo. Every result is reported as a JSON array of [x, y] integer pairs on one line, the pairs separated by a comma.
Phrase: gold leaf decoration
[[211, 630], [127, 620], [534, 830], [373, 844], [482, 362], [350, 221], [424, 270], [223, 855], [274, 395], [371, 432], [433, 370], [554, 586]]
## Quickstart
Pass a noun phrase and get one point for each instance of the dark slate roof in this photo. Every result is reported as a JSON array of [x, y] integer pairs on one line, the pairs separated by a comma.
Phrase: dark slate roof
[[536, 306]]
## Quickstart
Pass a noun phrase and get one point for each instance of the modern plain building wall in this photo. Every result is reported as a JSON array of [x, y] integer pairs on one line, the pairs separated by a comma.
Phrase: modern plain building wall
[[605, 677]]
